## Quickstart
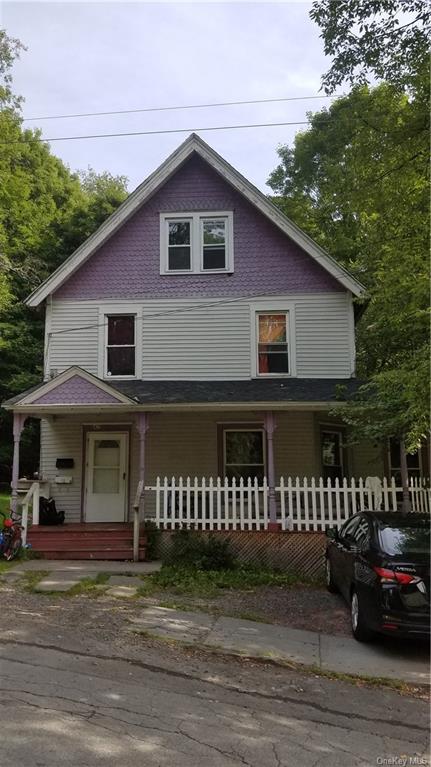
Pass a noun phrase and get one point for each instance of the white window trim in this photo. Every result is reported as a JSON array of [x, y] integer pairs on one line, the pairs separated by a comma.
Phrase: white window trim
[[328, 429], [196, 218], [273, 307], [122, 309]]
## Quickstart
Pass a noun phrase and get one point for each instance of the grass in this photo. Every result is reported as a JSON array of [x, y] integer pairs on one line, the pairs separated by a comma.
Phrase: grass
[[4, 502], [5, 566], [209, 583], [31, 578], [88, 586]]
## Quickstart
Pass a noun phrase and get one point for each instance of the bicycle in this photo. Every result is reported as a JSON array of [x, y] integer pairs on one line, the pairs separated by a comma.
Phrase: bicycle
[[10, 537]]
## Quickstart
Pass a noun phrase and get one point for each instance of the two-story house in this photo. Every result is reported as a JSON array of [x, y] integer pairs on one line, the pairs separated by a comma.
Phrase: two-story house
[[197, 333]]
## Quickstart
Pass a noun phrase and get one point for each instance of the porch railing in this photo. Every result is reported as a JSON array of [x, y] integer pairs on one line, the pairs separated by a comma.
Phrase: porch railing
[[32, 497], [301, 504]]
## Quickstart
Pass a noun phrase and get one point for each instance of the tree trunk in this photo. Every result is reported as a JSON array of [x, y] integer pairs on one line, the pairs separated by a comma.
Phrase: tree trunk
[[406, 505]]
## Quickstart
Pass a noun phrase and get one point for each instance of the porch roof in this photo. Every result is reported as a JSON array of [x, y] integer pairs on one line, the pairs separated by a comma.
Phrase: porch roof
[[248, 391], [77, 389]]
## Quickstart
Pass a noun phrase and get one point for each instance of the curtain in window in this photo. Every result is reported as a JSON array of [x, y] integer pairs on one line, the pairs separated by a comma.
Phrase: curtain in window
[[272, 343]]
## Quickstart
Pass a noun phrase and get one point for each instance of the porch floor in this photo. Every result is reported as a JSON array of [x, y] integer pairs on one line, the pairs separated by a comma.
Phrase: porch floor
[[94, 541]]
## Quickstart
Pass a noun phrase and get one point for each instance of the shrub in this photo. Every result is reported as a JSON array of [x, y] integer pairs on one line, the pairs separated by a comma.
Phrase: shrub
[[191, 549], [153, 534]]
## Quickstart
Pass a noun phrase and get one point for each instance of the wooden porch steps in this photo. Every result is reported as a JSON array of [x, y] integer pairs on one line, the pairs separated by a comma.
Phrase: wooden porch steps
[[85, 541]]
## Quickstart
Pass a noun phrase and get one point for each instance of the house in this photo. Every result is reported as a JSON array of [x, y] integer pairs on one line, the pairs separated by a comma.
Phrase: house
[[197, 333]]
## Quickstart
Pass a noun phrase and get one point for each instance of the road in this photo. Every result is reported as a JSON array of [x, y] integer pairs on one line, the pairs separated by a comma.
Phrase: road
[[161, 707]]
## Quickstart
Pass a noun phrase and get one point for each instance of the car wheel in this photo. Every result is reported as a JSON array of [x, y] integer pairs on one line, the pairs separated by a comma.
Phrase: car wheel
[[360, 628], [330, 584]]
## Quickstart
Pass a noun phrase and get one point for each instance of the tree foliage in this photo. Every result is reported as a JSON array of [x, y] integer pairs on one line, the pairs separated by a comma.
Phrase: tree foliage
[[46, 211], [383, 39], [357, 181]]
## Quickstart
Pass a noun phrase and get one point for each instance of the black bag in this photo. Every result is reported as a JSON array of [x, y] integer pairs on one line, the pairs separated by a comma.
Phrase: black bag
[[48, 514]]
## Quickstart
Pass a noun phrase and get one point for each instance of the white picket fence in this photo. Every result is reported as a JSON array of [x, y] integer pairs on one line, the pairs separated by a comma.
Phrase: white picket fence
[[307, 504]]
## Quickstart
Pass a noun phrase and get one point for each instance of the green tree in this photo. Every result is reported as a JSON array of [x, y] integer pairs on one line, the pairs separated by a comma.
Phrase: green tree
[[383, 39], [357, 181], [46, 211]]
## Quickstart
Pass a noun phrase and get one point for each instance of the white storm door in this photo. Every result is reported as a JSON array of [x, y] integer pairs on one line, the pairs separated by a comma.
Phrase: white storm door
[[106, 476]]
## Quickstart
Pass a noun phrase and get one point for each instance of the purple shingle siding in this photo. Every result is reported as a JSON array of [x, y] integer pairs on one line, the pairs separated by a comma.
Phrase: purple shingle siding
[[266, 260], [76, 391]]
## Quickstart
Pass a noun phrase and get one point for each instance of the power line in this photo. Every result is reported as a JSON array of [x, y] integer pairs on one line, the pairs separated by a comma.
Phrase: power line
[[153, 132], [178, 107], [177, 310]]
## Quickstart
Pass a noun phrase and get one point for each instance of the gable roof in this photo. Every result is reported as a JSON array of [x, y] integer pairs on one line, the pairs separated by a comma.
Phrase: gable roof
[[193, 144], [73, 386]]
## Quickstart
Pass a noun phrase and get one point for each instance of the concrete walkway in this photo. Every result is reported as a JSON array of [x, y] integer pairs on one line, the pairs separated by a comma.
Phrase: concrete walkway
[[63, 576], [343, 655], [86, 566]]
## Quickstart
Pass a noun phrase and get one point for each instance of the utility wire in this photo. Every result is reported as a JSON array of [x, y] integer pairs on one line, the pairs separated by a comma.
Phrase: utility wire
[[153, 132], [178, 107], [181, 309]]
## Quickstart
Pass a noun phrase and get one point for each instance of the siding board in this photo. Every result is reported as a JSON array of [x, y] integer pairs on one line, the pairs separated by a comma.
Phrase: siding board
[[194, 339], [184, 445]]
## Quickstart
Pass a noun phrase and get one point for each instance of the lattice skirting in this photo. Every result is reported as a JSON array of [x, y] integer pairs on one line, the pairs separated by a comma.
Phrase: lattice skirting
[[295, 552]]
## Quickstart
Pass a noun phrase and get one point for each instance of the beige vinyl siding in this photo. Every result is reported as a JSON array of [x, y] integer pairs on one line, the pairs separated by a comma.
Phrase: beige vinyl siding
[[62, 437], [208, 339], [180, 444]]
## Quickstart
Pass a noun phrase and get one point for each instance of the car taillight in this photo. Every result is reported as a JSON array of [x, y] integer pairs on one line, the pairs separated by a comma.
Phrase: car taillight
[[392, 576]]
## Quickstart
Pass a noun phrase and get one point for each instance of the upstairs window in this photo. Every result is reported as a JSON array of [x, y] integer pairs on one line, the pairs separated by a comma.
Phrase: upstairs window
[[120, 345], [196, 243], [272, 346]]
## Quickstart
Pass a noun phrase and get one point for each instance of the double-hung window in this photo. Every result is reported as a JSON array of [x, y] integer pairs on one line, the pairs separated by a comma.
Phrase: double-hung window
[[332, 452], [243, 453], [179, 245], [272, 343], [413, 462], [196, 243], [120, 357]]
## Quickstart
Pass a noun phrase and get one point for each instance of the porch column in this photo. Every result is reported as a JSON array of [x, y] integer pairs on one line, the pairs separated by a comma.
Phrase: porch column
[[18, 425], [142, 426], [270, 427]]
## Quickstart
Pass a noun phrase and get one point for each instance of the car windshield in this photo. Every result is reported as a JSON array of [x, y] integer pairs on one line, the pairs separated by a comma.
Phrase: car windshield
[[414, 539]]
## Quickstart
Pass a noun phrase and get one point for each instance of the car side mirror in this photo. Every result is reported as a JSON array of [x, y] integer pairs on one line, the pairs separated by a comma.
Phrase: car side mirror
[[351, 545], [332, 533]]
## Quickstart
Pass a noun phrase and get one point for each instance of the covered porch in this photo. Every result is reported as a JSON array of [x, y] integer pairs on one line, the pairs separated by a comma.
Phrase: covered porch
[[278, 465]]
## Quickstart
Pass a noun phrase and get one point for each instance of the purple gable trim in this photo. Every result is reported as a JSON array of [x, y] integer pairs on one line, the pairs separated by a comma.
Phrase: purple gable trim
[[76, 391], [266, 260]]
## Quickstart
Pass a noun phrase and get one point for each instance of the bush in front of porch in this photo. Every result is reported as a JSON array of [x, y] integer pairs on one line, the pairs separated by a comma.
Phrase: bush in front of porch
[[204, 566], [189, 549]]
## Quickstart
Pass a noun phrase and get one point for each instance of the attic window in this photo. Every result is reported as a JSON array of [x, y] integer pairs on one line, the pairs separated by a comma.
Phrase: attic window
[[179, 245], [196, 243]]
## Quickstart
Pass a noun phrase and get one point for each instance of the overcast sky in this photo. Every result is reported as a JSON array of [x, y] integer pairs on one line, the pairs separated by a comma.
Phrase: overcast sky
[[85, 57]]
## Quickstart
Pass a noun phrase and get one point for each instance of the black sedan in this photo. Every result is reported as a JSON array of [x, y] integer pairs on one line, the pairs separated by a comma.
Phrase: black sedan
[[380, 563]]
